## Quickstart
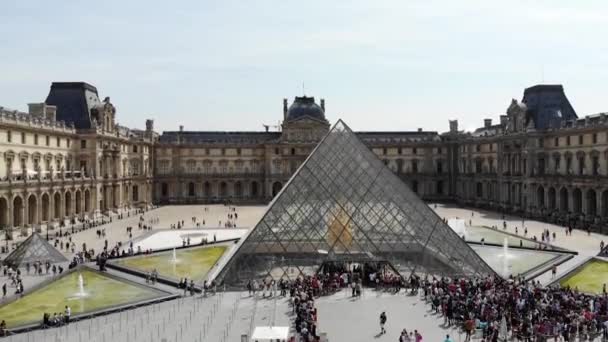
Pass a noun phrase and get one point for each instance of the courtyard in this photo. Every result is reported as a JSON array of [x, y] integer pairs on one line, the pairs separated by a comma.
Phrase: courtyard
[[235, 313]]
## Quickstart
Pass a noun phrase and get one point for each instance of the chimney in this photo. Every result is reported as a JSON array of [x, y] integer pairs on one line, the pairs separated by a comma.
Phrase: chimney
[[51, 112], [487, 123], [323, 105], [181, 128], [149, 125], [504, 119], [42, 110], [453, 126], [284, 109]]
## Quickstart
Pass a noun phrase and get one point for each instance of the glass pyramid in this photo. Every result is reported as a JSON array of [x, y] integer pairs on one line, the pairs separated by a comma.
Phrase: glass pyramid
[[344, 206], [33, 249]]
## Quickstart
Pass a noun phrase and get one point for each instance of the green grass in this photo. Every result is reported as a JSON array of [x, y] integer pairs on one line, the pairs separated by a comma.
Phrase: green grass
[[192, 263], [102, 292], [590, 278]]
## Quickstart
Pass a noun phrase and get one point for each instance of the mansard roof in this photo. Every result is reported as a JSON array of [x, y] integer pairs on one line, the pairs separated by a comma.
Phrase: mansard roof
[[219, 137], [74, 101], [547, 105]]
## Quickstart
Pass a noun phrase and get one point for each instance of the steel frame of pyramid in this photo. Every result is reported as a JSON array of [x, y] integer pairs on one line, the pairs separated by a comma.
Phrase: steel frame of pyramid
[[33, 249], [344, 205]]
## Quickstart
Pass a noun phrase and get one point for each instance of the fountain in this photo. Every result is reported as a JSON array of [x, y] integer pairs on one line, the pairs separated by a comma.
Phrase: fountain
[[505, 254], [81, 292], [174, 258]]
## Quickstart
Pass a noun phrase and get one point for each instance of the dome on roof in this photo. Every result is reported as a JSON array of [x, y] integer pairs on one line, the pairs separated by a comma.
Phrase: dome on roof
[[305, 106]]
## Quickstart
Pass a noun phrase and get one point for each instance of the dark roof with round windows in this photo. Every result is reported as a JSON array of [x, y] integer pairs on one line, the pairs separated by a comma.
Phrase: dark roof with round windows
[[305, 106]]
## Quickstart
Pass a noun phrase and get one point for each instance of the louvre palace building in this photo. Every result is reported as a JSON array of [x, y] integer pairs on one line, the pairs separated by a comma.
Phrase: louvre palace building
[[68, 159]]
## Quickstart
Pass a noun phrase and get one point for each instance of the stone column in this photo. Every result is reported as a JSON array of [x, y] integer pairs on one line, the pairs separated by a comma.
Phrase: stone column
[[39, 209]]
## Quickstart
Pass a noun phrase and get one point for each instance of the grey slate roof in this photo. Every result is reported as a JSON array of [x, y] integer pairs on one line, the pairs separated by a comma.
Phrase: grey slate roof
[[305, 107], [547, 105], [219, 137], [74, 101]]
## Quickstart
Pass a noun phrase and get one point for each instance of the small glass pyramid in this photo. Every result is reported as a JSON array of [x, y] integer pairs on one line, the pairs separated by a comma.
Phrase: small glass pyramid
[[34, 249], [343, 206]]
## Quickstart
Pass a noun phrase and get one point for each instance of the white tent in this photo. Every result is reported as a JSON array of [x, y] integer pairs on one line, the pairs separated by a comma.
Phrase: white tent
[[268, 334]]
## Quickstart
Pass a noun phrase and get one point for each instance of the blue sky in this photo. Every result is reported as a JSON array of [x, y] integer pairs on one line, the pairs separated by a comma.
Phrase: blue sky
[[380, 65]]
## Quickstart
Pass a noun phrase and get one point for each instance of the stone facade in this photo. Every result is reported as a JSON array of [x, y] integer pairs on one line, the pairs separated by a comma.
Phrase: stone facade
[[539, 161], [54, 171]]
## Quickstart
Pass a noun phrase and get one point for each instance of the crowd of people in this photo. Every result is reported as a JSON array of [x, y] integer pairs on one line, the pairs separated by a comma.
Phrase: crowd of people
[[525, 309], [57, 319], [302, 295]]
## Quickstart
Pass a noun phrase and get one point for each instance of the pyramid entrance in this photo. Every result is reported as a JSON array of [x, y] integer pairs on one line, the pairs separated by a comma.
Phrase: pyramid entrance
[[344, 205]]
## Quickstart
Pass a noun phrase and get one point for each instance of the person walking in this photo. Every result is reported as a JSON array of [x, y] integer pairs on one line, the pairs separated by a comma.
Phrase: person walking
[[417, 336], [68, 313], [382, 322]]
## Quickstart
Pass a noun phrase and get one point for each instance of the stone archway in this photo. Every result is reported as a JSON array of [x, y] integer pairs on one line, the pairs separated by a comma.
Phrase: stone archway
[[577, 200], [591, 202], [254, 189], [207, 190], [45, 207], [276, 188], [164, 190], [415, 186], [563, 199], [551, 197], [540, 197], [3, 212], [32, 209], [78, 206], [57, 205], [18, 209], [87, 201], [223, 190], [604, 203], [68, 204], [238, 189]]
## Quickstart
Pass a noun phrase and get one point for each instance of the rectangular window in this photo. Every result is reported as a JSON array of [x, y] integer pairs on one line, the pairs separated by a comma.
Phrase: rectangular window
[[541, 166], [414, 166], [439, 167], [134, 148], [35, 139], [23, 138], [58, 141], [83, 144], [48, 140], [594, 138], [596, 165], [541, 142], [238, 151], [68, 141], [384, 151], [568, 141], [276, 151], [580, 139], [439, 150], [556, 141], [414, 150], [9, 136], [399, 150]]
